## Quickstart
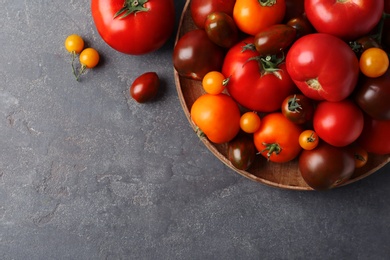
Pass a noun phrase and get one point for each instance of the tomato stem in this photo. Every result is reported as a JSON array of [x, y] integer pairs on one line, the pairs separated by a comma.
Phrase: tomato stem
[[273, 148], [130, 7], [311, 138], [267, 2], [293, 104]]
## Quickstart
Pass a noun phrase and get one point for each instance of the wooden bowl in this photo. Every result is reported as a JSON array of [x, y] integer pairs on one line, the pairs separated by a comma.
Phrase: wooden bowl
[[280, 175]]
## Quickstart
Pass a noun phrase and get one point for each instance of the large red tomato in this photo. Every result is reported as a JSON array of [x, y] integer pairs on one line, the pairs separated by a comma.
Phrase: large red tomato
[[134, 26], [323, 67], [278, 138], [347, 19], [375, 137], [254, 82], [338, 123]]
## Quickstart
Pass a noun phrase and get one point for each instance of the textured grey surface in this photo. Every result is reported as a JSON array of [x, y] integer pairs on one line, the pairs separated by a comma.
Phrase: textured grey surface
[[87, 173]]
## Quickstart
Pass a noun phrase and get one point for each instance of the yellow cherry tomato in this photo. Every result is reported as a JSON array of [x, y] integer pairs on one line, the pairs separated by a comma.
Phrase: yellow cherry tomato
[[374, 62], [213, 82], [250, 122], [74, 43], [308, 139], [89, 58]]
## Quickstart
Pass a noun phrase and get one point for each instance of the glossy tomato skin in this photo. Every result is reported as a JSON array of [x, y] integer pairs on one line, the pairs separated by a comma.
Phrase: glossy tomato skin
[[135, 34], [257, 91], [274, 39], [217, 116], [221, 29], [338, 123], [278, 138], [200, 9], [241, 152], [252, 16], [348, 20], [323, 67], [326, 166], [301, 25], [298, 108], [375, 137], [373, 96], [145, 87], [195, 55]]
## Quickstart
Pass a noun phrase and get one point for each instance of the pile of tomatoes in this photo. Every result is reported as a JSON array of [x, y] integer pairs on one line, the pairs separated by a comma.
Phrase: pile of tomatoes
[[292, 79]]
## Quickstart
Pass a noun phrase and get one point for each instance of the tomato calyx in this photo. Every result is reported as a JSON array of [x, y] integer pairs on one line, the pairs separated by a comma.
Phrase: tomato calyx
[[272, 148], [130, 7], [269, 64], [267, 2], [294, 105], [314, 84]]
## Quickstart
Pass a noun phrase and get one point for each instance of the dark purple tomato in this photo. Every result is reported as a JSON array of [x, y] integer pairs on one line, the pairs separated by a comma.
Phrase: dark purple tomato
[[195, 55], [326, 166], [221, 29], [200, 9], [294, 8], [145, 87], [241, 152], [373, 96], [302, 26], [274, 39], [298, 108], [364, 43]]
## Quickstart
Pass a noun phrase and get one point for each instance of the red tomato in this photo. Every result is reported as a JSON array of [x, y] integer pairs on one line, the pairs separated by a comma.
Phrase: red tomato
[[200, 9], [348, 20], [338, 123], [251, 84], [251, 16], [145, 87], [323, 67], [134, 26], [278, 138], [217, 116], [375, 137]]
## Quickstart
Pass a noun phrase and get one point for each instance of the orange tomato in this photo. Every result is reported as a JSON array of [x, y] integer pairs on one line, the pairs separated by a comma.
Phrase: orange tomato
[[308, 140], [217, 116], [277, 138], [374, 62], [252, 16], [250, 122]]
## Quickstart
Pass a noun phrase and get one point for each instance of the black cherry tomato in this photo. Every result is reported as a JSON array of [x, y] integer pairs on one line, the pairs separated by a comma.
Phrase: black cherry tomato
[[145, 87], [274, 39], [221, 29], [298, 108], [301, 25], [241, 152]]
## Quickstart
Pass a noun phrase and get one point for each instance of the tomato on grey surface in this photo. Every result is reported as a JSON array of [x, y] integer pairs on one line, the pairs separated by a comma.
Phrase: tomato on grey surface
[[298, 108], [200, 9], [373, 96], [255, 82], [375, 137], [338, 123], [145, 87], [323, 67], [274, 39], [346, 19], [278, 138], [241, 152], [326, 166], [195, 55], [134, 26], [221, 29]]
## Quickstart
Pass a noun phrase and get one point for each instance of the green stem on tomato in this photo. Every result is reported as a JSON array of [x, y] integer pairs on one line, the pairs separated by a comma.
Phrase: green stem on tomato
[[130, 7], [267, 2], [273, 148]]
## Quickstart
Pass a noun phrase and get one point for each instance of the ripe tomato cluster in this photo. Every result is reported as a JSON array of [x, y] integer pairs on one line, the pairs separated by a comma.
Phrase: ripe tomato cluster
[[305, 80], [88, 57]]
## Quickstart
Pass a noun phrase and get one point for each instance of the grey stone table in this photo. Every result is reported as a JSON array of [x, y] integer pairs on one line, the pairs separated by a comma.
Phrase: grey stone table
[[87, 173]]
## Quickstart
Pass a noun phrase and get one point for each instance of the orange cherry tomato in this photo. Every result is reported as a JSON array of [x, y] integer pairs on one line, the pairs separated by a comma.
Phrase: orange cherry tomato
[[250, 122], [213, 82], [374, 62], [251, 16], [217, 116], [308, 139]]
